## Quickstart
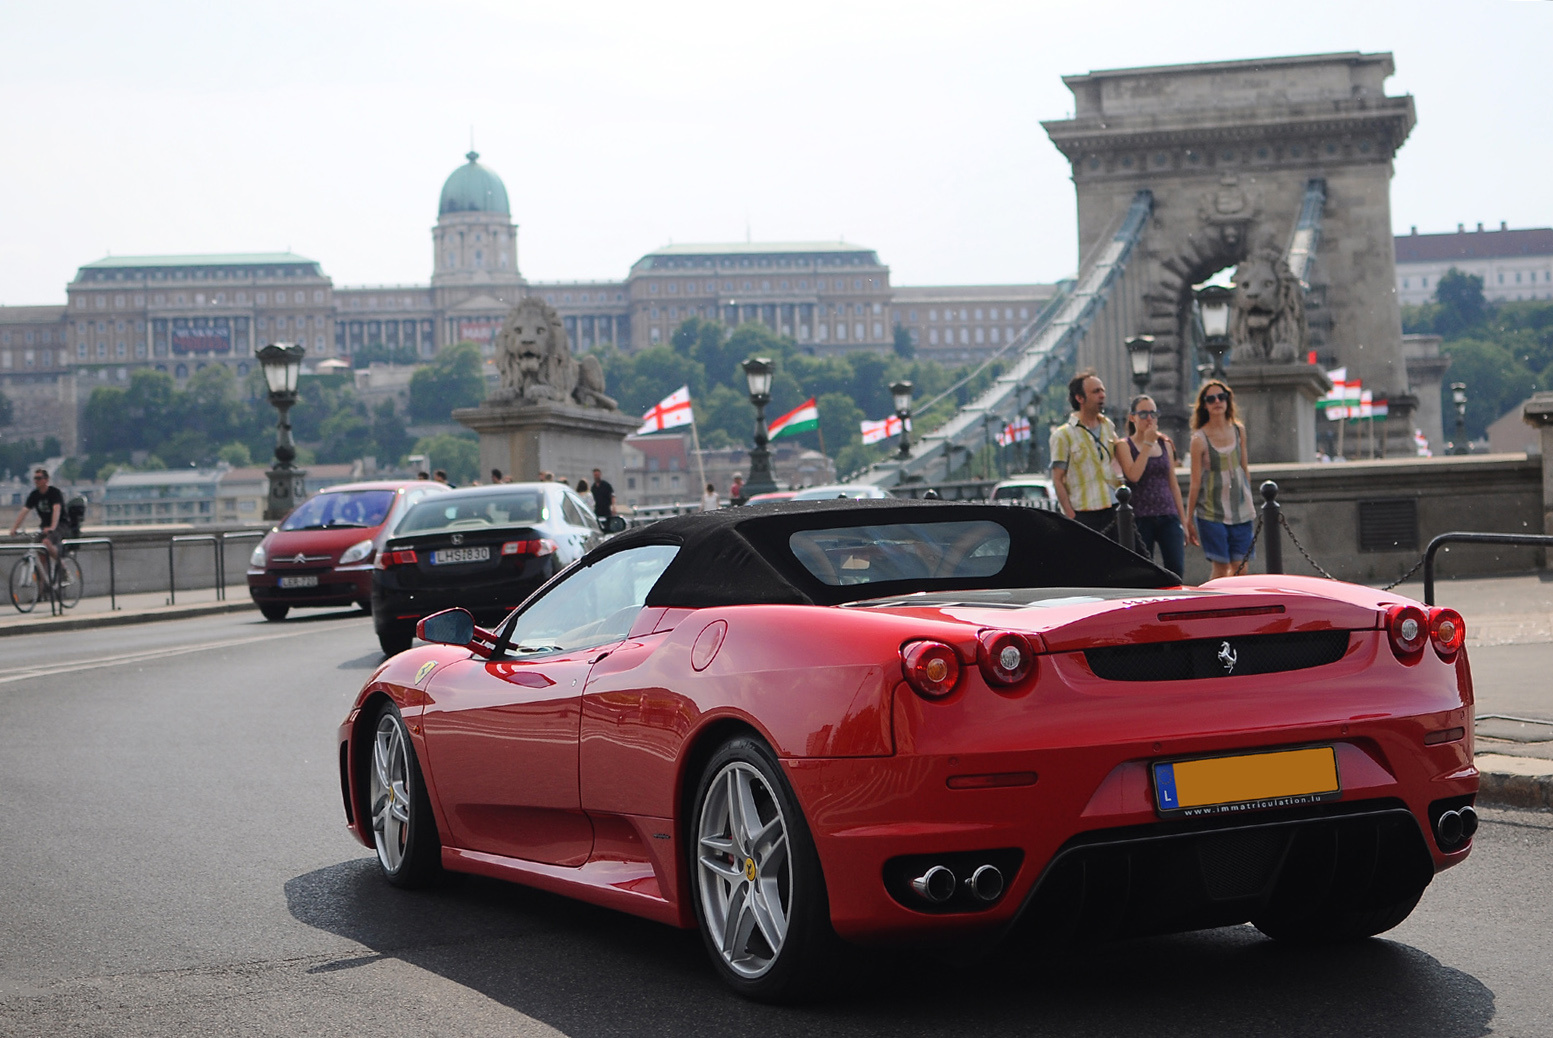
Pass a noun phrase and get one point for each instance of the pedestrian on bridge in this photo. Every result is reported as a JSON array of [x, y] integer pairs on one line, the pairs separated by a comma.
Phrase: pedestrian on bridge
[[1219, 508], [1084, 470]]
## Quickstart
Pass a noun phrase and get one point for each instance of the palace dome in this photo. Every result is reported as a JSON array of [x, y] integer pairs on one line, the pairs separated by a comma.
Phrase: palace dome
[[471, 188]]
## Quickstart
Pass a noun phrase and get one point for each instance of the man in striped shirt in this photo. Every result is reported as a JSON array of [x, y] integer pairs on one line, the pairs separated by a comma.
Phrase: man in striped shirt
[[1083, 470]]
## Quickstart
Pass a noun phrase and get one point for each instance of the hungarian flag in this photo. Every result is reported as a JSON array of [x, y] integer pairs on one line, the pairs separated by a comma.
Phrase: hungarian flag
[[673, 410], [874, 432], [1334, 405], [803, 418], [1017, 431]]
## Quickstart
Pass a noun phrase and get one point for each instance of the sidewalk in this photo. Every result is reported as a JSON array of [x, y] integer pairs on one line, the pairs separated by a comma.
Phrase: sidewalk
[[1509, 639]]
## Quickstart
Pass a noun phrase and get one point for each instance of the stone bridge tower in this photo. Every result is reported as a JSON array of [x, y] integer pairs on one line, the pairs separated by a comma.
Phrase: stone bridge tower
[[1228, 149]]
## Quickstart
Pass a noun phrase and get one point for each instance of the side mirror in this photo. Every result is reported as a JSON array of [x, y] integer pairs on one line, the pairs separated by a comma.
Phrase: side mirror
[[449, 627], [614, 524]]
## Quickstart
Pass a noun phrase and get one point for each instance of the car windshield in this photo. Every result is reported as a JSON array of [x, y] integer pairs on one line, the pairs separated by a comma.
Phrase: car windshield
[[902, 551], [341, 508], [460, 512]]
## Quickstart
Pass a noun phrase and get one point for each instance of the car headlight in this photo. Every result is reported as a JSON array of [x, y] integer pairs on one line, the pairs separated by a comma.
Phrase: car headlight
[[356, 552], [256, 560]]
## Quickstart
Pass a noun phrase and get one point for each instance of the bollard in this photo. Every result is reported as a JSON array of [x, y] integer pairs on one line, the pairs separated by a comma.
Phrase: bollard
[[1272, 542], [1126, 534]]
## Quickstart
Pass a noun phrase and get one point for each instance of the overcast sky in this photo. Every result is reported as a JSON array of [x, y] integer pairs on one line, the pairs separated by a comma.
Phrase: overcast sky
[[328, 128]]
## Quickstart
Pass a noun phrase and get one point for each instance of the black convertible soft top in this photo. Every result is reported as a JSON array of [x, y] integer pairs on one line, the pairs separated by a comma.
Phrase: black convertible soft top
[[740, 556]]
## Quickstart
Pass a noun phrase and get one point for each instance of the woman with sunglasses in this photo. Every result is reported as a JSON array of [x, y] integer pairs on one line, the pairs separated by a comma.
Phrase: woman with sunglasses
[[1220, 512], [1148, 460]]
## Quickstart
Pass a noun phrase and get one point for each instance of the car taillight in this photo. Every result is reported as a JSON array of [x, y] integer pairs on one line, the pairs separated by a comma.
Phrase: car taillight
[[389, 559], [1005, 657], [932, 668], [541, 546], [1408, 626], [1447, 632]]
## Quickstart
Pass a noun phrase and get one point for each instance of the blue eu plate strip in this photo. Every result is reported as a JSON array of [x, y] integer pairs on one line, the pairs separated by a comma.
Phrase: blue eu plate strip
[[1165, 783]]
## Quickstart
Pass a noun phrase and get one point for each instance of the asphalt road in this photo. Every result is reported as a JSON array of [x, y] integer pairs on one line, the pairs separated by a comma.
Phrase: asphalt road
[[175, 861]]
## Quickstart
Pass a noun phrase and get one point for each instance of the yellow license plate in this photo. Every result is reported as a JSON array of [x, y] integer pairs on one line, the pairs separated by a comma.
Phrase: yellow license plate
[[1247, 782]]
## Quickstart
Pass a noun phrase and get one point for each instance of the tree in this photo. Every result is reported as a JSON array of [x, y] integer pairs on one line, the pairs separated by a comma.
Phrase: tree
[[458, 455], [1461, 303], [389, 438], [236, 455], [456, 378], [904, 347], [7, 411]]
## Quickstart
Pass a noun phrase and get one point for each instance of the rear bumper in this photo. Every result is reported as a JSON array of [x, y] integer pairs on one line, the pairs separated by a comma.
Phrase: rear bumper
[[392, 607]]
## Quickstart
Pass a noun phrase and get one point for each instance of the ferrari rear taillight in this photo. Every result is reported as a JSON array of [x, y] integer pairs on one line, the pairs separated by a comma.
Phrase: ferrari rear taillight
[[932, 668], [390, 559], [1447, 632], [1006, 657], [537, 546], [1408, 626]]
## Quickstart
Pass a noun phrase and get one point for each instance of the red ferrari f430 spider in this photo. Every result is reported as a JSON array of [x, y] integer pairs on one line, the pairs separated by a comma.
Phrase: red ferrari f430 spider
[[884, 722]]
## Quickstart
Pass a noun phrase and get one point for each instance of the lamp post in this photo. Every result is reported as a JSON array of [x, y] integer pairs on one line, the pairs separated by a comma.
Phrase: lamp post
[[282, 362], [1033, 452], [1459, 398], [1213, 303], [1140, 357], [988, 421], [757, 372], [901, 394]]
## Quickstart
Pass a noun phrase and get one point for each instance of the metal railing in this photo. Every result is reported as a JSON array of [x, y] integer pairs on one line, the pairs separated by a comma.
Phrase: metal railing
[[237, 535], [172, 571], [1462, 537], [113, 578]]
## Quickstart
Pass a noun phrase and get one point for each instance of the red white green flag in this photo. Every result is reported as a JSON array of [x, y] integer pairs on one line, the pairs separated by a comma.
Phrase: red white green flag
[[803, 418]]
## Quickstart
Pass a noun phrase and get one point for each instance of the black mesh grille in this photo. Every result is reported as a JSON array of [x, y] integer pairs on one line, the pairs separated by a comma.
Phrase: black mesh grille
[[1208, 657]]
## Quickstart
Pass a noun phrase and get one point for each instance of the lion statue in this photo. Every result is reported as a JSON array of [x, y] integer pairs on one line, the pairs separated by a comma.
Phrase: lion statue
[[1268, 322], [535, 363]]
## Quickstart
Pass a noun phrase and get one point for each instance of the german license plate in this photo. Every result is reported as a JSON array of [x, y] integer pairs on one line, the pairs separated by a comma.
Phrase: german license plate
[[1246, 782], [447, 555], [311, 581]]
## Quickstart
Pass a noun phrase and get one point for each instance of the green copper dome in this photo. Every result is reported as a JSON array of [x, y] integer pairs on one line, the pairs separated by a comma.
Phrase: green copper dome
[[473, 189]]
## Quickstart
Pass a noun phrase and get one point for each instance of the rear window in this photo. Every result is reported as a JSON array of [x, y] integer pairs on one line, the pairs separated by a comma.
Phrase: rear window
[[343, 508], [902, 551], [509, 508]]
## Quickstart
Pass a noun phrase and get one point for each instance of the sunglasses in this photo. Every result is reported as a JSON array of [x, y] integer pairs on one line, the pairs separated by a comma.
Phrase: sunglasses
[[1213, 398], [1145, 414]]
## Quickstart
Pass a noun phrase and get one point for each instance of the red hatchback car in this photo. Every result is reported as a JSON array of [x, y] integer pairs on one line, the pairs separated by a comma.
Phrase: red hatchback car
[[322, 554]]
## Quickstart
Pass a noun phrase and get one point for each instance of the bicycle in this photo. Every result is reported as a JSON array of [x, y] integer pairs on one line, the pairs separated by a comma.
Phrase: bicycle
[[39, 574]]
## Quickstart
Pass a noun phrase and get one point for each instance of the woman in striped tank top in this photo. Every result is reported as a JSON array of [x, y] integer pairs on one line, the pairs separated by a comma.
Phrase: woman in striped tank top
[[1219, 505]]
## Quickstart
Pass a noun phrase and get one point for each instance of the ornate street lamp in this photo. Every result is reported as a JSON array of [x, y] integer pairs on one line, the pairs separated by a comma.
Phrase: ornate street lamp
[[282, 362], [1459, 398], [989, 421], [757, 372], [1140, 356], [1033, 452], [900, 392], [1213, 303]]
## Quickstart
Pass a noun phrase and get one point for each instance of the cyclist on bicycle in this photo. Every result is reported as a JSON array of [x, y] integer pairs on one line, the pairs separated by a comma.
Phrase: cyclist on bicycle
[[49, 503]]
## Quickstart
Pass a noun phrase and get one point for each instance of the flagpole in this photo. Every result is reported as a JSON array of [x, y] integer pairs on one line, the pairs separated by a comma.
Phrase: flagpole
[[695, 442], [820, 429]]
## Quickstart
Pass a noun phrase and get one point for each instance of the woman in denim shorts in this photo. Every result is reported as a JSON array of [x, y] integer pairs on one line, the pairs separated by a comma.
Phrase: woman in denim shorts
[[1219, 507]]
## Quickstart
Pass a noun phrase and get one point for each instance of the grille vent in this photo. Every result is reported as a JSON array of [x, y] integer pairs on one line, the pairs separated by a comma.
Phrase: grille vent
[[1199, 658]]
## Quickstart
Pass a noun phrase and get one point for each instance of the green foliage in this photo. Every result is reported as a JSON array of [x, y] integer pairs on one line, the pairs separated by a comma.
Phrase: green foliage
[[459, 455], [16, 458], [7, 411], [456, 378], [904, 347], [1460, 298], [236, 455]]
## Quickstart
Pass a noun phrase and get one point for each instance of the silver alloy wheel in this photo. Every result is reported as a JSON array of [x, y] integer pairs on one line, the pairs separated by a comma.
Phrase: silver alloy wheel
[[744, 871], [390, 792]]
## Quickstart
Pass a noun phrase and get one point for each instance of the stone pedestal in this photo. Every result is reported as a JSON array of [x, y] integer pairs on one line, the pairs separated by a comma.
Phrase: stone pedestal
[[1538, 411], [524, 440], [1277, 403]]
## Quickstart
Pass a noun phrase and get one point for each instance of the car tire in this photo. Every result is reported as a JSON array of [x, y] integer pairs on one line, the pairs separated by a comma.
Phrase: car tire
[[274, 613], [404, 831], [1334, 924], [757, 889], [395, 639]]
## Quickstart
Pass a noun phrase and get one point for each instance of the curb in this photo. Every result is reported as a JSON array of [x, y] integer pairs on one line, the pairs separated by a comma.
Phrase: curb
[[1522, 782], [44, 625]]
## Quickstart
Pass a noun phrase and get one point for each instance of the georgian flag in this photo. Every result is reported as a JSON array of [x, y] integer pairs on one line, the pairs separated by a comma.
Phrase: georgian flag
[[673, 410], [803, 418], [1017, 431], [874, 432]]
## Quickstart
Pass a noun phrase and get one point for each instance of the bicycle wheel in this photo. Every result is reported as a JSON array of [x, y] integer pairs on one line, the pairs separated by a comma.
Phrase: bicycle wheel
[[24, 585], [68, 586]]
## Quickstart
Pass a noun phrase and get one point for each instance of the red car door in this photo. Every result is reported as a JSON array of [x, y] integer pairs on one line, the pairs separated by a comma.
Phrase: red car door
[[501, 738]]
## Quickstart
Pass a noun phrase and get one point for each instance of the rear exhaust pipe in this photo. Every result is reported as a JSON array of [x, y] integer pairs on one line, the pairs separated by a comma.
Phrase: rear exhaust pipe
[[986, 883], [935, 885], [1469, 822], [1449, 827]]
